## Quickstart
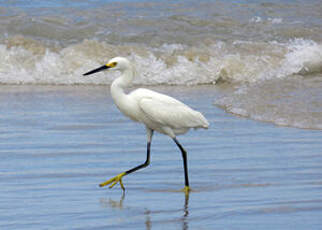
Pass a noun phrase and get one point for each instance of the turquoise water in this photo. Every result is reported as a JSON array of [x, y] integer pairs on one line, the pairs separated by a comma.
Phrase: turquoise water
[[59, 143]]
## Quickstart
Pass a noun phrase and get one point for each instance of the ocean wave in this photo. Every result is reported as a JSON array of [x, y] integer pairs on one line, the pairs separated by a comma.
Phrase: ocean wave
[[287, 92], [27, 61]]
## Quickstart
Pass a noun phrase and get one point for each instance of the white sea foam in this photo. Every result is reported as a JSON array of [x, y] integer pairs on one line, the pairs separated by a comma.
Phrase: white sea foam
[[304, 57], [275, 20], [257, 19], [170, 64]]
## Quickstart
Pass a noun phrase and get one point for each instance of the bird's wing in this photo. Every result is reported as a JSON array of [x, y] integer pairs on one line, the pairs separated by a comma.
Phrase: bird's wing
[[170, 112]]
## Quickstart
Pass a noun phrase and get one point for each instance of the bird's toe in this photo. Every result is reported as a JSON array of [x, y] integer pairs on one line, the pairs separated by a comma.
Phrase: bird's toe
[[113, 181]]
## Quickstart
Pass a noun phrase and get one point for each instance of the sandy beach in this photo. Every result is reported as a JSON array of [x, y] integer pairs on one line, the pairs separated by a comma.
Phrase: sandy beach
[[59, 142]]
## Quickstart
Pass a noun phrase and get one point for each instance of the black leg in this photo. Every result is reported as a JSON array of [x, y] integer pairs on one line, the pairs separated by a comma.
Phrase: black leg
[[118, 178], [145, 164], [185, 164]]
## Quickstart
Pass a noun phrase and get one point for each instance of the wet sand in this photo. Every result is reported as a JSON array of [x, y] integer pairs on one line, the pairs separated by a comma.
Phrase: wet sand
[[58, 143]]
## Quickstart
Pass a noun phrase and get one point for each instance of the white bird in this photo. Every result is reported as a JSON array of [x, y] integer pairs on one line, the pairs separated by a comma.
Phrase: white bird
[[158, 112]]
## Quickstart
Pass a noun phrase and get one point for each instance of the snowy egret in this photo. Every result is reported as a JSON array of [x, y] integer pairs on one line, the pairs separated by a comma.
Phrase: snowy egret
[[158, 112]]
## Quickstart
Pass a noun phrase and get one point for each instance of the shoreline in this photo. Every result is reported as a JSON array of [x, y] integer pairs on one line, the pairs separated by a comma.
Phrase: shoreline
[[217, 92]]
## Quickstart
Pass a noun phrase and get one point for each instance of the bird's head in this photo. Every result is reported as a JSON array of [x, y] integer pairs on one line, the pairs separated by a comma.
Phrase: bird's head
[[117, 63]]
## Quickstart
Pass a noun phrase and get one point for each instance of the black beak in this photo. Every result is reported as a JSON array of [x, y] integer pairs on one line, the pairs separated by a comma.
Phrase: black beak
[[104, 67]]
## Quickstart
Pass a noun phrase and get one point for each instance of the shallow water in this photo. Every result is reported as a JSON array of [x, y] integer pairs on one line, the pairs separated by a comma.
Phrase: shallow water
[[58, 143], [255, 59]]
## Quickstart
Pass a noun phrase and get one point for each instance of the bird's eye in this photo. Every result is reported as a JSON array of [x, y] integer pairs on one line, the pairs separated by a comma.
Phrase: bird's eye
[[113, 64]]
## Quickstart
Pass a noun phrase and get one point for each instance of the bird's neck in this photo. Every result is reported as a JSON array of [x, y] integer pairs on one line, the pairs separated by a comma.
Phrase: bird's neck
[[119, 84]]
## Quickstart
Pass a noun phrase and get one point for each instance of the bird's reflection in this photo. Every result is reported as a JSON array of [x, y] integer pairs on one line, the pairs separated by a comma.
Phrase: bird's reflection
[[118, 204], [112, 203], [185, 213], [148, 223]]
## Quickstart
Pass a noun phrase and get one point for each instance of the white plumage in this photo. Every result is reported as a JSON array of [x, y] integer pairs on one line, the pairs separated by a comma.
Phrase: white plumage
[[157, 111], [165, 114]]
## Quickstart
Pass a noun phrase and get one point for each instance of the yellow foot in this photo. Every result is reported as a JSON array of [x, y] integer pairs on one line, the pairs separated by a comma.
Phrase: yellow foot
[[186, 190], [114, 181]]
